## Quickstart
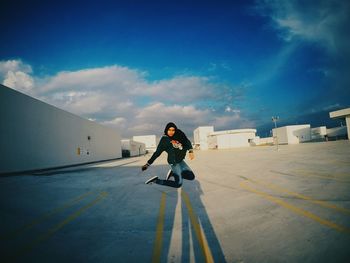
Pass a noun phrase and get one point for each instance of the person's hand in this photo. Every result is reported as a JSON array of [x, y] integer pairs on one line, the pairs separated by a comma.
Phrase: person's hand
[[144, 167], [191, 155]]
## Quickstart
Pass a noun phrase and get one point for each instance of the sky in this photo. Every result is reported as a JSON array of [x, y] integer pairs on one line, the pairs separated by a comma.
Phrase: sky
[[137, 65]]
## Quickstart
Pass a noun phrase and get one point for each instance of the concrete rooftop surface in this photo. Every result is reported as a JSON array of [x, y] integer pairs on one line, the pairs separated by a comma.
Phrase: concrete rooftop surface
[[246, 205]]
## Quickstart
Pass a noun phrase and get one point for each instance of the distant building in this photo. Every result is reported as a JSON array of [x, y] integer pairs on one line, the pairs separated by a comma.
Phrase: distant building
[[206, 138], [131, 148], [148, 140], [342, 114], [319, 133], [292, 134], [200, 136], [337, 133], [257, 141], [231, 138]]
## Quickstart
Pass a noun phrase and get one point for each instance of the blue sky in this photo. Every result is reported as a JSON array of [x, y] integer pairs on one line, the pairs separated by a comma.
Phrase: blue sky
[[136, 65]]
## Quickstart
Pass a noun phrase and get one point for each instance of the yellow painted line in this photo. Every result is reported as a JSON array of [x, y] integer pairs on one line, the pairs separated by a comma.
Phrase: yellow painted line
[[197, 229], [157, 249], [44, 217], [319, 175], [57, 227], [304, 197], [296, 209]]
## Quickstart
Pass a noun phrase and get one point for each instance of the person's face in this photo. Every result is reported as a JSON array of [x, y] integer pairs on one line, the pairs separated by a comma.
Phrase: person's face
[[171, 131]]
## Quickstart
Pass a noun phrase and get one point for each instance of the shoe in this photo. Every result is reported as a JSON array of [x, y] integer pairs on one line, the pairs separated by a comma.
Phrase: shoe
[[151, 180], [170, 174]]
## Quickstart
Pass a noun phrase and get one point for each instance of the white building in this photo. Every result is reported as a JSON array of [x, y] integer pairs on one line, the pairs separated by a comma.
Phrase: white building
[[231, 138], [36, 135], [292, 134], [200, 136], [131, 148], [148, 140], [263, 141], [318, 133], [337, 133], [342, 114]]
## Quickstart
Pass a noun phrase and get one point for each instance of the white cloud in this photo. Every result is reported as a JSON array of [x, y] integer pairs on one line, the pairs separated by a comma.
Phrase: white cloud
[[119, 123], [233, 121], [161, 113], [324, 24], [123, 98], [19, 80], [180, 89], [190, 117], [89, 103], [222, 121], [321, 21], [15, 74], [230, 109], [13, 66], [119, 90], [154, 117], [110, 78]]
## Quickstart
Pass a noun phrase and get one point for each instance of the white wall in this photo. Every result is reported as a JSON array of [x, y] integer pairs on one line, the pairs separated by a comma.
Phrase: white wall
[[292, 134], [134, 148], [280, 134], [299, 134], [230, 140], [318, 133], [200, 136], [148, 140], [342, 114], [212, 142], [267, 140], [337, 131], [36, 135], [227, 141]]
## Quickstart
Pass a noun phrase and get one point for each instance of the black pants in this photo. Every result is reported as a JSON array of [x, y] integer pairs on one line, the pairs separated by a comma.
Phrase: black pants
[[177, 183]]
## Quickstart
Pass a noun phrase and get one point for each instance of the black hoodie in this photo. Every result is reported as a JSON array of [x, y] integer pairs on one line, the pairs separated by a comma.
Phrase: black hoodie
[[176, 146]]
